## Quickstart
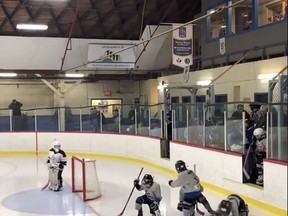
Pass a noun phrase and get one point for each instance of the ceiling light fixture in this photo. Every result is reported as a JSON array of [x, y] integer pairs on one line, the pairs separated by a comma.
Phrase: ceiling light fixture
[[266, 76], [40, 27], [204, 82], [71, 75], [8, 74]]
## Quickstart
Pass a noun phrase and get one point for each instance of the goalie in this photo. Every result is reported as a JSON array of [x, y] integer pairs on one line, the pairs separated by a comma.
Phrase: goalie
[[55, 163]]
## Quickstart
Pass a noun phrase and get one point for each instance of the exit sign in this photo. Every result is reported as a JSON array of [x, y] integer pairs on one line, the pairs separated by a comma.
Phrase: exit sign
[[107, 93]]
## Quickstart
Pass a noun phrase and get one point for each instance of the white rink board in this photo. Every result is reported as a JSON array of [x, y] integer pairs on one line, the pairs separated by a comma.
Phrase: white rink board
[[214, 167]]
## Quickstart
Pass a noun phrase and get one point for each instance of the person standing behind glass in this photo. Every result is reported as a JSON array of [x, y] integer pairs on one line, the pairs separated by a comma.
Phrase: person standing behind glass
[[15, 106]]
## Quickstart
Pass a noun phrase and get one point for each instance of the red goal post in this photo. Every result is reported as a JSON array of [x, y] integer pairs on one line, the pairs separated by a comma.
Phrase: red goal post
[[84, 178]]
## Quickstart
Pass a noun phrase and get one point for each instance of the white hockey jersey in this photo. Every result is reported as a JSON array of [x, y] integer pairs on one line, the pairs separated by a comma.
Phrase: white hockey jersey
[[57, 157], [188, 180], [153, 192]]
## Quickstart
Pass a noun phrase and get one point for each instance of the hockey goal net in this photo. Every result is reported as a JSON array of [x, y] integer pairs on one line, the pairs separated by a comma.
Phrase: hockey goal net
[[85, 179]]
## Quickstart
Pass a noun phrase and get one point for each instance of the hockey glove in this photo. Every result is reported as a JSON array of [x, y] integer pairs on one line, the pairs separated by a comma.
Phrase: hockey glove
[[180, 206], [61, 166], [136, 182], [154, 206], [170, 182]]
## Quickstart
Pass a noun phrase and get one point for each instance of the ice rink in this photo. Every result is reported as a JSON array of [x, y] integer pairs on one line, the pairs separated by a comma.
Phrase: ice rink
[[21, 180]]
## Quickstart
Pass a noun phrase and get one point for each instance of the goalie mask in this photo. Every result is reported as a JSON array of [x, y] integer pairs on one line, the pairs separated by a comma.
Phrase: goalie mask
[[224, 208], [56, 145], [147, 180]]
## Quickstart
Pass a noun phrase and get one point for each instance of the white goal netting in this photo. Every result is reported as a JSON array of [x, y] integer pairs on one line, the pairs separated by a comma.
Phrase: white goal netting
[[85, 179]]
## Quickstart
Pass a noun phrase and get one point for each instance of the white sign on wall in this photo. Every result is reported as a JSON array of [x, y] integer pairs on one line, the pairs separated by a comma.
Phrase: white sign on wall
[[222, 46], [182, 43], [111, 56]]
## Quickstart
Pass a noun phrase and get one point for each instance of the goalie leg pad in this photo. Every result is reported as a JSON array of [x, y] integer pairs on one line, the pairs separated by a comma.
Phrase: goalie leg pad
[[53, 179]]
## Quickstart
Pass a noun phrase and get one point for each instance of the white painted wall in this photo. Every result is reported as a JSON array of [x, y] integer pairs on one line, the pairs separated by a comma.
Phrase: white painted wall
[[243, 75], [47, 53], [35, 95], [220, 169]]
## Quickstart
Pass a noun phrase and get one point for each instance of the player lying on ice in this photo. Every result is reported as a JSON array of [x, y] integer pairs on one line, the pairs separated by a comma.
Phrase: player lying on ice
[[234, 205]]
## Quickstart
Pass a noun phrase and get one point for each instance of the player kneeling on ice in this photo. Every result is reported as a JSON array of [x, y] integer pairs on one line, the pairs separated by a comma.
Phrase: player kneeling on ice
[[191, 190], [152, 196], [55, 163], [234, 205]]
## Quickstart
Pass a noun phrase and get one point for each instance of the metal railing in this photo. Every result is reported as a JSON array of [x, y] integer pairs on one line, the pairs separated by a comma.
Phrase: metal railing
[[207, 125]]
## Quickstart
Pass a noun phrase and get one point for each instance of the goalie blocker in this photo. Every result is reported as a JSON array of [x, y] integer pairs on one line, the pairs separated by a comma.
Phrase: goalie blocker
[[85, 179]]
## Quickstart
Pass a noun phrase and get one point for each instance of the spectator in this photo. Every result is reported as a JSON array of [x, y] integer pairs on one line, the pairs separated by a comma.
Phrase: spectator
[[16, 107], [115, 116], [131, 115], [17, 121], [238, 113], [247, 25], [254, 109], [261, 117], [96, 119]]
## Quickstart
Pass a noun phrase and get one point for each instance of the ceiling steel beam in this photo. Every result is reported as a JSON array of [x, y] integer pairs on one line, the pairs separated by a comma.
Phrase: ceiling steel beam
[[9, 18], [56, 22]]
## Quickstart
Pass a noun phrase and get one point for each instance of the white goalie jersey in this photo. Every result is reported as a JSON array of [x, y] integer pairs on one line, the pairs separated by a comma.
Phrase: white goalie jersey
[[56, 157]]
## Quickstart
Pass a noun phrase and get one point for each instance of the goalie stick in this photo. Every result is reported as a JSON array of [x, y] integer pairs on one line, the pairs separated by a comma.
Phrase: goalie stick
[[45, 186], [122, 212]]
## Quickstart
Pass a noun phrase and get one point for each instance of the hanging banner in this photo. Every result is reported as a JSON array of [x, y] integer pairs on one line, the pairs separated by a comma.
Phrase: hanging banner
[[222, 45], [182, 42], [111, 56]]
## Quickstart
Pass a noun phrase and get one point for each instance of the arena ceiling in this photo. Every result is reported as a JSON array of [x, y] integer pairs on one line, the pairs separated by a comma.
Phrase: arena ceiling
[[96, 19]]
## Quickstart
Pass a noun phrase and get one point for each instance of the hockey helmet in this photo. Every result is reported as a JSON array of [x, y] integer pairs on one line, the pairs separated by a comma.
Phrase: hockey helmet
[[258, 133], [56, 144], [147, 179], [180, 166], [224, 208]]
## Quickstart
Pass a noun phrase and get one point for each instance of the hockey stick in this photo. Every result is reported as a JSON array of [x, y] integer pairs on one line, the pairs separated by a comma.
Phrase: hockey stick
[[122, 212], [45, 186], [199, 211], [245, 163]]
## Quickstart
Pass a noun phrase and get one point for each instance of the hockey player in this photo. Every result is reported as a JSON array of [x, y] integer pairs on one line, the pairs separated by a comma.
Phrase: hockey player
[[234, 205], [190, 192], [152, 196], [55, 163], [260, 151]]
